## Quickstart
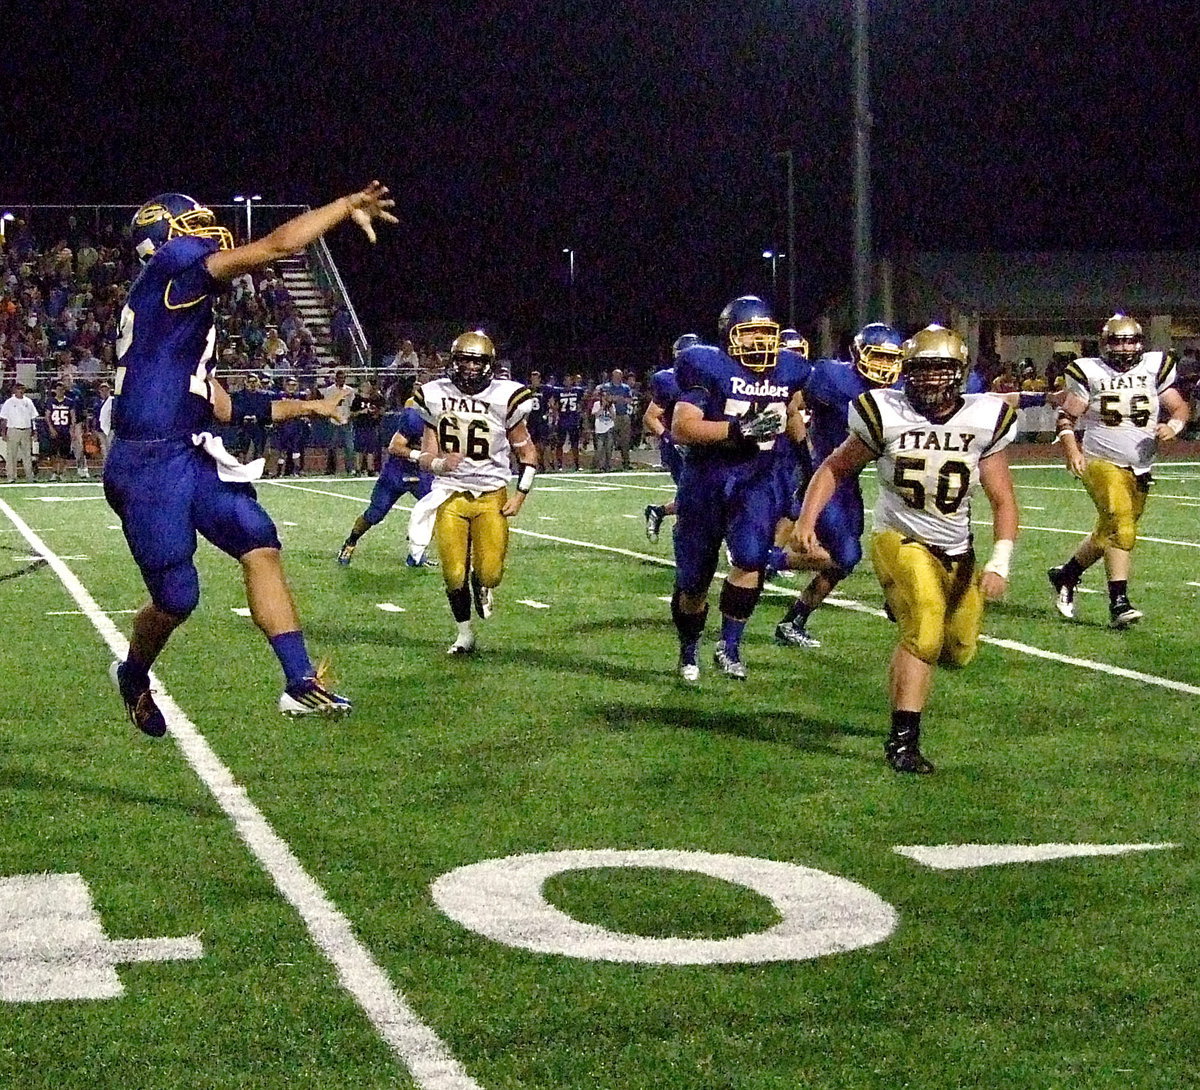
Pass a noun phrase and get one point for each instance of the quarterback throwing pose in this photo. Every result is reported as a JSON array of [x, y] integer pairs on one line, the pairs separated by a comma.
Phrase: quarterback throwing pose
[[1117, 398], [933, 446], [473, 424], [165, 476]]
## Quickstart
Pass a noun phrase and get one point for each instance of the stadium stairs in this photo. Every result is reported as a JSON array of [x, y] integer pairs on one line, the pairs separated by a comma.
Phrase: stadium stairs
[[310, 305]]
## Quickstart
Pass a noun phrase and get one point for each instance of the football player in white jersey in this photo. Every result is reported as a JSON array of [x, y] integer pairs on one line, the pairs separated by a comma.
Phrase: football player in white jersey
[[1117, 399], [933, 446], [474, 423]]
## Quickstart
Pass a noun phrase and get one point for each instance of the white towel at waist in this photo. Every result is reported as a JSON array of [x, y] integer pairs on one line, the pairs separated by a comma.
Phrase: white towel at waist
[[228, 467]]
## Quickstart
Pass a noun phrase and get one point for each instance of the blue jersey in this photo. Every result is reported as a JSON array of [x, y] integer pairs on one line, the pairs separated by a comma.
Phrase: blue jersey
[[725, 390], [165, 346], [664, 392], [570, 407], [833, 386], [412, 427]]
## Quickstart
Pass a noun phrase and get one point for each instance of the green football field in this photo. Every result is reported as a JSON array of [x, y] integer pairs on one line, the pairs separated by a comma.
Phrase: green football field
[[550, 865]]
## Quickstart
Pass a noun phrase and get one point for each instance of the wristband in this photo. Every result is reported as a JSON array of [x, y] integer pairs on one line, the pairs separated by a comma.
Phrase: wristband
[[1001, 556], [1175, 425], [735, 431], [437, 466], [525, 483], [414, 456]]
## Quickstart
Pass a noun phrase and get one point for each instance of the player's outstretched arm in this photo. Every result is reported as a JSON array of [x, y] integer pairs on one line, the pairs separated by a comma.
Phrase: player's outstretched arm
[[365, 206], [523, 446], [287, 408]]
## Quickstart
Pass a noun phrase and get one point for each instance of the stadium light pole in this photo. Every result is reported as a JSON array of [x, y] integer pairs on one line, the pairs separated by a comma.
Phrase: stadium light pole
[[570, 252], [5, 220], [248, 200], [789, 155], [773, 256], [863, 257]]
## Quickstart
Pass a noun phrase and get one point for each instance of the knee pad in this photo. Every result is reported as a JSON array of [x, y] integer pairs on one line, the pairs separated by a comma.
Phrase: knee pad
[[176, 589]]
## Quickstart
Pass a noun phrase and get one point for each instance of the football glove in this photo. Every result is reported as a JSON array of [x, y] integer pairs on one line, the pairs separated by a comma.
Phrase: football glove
[[755, 426]]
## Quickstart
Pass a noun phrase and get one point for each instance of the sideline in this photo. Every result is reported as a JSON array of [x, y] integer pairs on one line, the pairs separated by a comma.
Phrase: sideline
[[422, 1052]]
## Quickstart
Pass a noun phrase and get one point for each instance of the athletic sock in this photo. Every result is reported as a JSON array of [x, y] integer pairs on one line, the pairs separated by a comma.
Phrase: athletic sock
[[1117, 588], [906, 727], [1072, 572], [293, 656], [460, 603], [798, 613]]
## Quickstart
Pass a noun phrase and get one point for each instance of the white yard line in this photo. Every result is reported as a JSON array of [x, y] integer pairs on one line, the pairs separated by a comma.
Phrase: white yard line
[[413, 1043], [861, 607]]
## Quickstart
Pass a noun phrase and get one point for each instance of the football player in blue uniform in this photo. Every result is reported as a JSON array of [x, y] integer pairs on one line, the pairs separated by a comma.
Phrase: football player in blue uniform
[[59, 416], [251, 408], [664, 392], [166, 479], [831, 389], [568, 400], [401, 473], [290, 437], [738, 409]]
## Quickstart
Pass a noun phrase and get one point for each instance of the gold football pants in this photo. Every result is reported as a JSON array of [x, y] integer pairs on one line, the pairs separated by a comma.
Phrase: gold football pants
[[472, 535], [937, 604], [1120, 499]]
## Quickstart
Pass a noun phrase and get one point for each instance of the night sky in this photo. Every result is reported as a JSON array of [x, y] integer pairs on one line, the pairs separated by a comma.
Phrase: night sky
[[644, 136]]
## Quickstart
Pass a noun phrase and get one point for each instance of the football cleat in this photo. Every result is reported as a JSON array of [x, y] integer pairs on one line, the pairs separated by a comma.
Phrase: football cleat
[[906, 757], [1064, 593], [790, 634], [1121, 614], [343, 557], [463, 645], [139, 703], [484, 603], [312, 697], [689, 671], [654, 520], [411, 561], [730, 665]]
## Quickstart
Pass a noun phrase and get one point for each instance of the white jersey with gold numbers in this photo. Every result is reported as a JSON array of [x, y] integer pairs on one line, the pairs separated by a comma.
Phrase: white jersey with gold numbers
[[928, 471], [476, 426], [1122, 411]]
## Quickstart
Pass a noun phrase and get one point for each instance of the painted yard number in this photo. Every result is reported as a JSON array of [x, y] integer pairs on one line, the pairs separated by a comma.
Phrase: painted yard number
[[53, 945], [820, 913]]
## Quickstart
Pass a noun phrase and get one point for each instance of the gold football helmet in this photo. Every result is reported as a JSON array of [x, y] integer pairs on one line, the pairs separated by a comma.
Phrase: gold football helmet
[[934, 365], [1121, 342], [472, 361]]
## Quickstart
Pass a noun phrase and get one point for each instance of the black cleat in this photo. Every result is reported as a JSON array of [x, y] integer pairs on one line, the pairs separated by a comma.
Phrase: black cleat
[[1121, 614], [906, 757], [139, 703]]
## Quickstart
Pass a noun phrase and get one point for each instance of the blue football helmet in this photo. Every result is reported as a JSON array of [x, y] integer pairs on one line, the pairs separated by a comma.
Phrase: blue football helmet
[[170, 215], [688, 340], [876, 351], [749, 333], [792, 340]]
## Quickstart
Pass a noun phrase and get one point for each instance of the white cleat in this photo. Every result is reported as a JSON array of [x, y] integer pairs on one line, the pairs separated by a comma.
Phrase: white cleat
[[689, 672], [464, 645]]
